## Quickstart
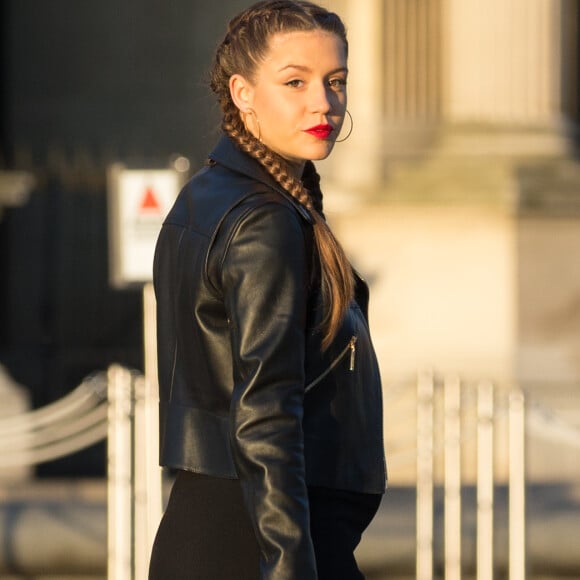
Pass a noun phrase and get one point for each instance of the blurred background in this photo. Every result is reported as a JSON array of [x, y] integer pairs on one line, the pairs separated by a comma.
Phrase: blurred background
[[457, 197]]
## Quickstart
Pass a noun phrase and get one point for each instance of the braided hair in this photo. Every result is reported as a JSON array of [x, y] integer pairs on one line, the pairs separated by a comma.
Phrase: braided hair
[[242, 50]]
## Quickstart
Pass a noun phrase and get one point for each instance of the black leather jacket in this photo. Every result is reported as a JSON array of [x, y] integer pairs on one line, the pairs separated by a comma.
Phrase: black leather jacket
[[245, 390]]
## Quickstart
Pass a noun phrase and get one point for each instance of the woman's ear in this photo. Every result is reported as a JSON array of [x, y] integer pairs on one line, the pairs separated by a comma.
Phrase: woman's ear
[[242, 93]]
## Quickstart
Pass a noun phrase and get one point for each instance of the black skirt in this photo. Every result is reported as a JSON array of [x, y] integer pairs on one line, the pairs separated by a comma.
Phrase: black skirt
[[206, 534]]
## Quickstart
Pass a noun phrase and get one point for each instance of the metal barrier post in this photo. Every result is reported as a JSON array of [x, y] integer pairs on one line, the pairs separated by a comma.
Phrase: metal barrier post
[[120, 475], [148, 474], [424, 563], [485, 481], [140, 497], [517, 487], [452, 428]]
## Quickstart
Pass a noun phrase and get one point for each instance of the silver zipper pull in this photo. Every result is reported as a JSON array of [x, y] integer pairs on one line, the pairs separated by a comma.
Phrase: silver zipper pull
[[352, 352]]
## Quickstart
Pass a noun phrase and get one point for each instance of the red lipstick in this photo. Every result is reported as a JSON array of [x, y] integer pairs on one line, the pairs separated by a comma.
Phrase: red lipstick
[[320, 131]]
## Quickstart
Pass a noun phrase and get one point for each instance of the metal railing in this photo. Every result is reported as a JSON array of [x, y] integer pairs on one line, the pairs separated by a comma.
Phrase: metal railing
[[121, 406], [70, 424], [452, 481]]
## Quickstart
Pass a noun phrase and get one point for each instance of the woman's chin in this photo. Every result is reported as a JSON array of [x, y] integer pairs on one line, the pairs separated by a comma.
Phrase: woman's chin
[[322, 151]]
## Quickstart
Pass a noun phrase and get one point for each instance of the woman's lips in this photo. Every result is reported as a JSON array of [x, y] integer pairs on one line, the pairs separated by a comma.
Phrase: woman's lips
[[320, 131]]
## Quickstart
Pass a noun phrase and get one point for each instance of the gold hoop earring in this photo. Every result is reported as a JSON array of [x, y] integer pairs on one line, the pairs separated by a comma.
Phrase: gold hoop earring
[[252, 112], [349, 131]]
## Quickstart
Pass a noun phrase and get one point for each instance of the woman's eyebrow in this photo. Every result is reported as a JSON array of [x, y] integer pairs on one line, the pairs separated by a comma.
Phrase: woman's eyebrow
[[308, 69], [296, 66]]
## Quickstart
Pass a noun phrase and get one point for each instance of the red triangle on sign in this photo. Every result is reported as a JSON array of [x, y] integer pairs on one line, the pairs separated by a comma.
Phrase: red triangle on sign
[[149, 201]]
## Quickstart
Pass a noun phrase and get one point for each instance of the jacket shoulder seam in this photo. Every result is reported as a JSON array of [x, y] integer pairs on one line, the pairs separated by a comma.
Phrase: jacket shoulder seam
[[262, 198]]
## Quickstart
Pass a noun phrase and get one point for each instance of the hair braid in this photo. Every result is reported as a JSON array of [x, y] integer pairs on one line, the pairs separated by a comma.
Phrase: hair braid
[[243, 48]]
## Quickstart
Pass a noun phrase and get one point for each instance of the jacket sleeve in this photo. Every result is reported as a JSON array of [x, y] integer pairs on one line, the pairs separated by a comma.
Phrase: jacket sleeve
[[264, 280]]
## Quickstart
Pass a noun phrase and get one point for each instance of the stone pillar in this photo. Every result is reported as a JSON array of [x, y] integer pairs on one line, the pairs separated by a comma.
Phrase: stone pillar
[[504, 63], [356, 164], [412, 61], [412, 76]]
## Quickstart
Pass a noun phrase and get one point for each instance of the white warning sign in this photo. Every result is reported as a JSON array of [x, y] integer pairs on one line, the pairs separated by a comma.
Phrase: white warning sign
[[139, 200]]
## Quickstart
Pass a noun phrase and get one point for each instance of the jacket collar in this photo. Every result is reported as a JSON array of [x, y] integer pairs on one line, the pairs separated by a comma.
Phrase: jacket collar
[[227, 154]]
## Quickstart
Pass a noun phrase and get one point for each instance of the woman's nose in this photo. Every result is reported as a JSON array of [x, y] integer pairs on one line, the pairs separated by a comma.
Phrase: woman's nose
[[321, 99]]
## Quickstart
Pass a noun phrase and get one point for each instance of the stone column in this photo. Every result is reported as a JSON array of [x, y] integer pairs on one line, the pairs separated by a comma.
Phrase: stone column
[[504, 63], [412, 76], [356, 164], [412, 61]]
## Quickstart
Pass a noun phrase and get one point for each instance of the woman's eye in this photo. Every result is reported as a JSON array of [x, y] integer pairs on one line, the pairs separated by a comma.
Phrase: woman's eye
[[338, 83], [295, 83]]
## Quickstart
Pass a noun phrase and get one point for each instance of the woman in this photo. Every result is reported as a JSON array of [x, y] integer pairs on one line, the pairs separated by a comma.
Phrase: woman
[[270, 393]]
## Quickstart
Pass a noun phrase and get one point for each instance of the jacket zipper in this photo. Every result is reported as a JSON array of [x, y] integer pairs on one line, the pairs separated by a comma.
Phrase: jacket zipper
[[351, 346]]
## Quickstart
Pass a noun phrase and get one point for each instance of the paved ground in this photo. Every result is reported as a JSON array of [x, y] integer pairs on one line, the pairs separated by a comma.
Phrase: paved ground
[[57, 530], [553, 529]]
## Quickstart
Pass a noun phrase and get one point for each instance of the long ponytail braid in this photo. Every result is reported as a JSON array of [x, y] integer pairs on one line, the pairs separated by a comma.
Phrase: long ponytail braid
[[243, 48]]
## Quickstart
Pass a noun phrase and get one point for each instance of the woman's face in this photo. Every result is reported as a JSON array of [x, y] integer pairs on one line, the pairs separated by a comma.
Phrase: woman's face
[[298, 95]]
